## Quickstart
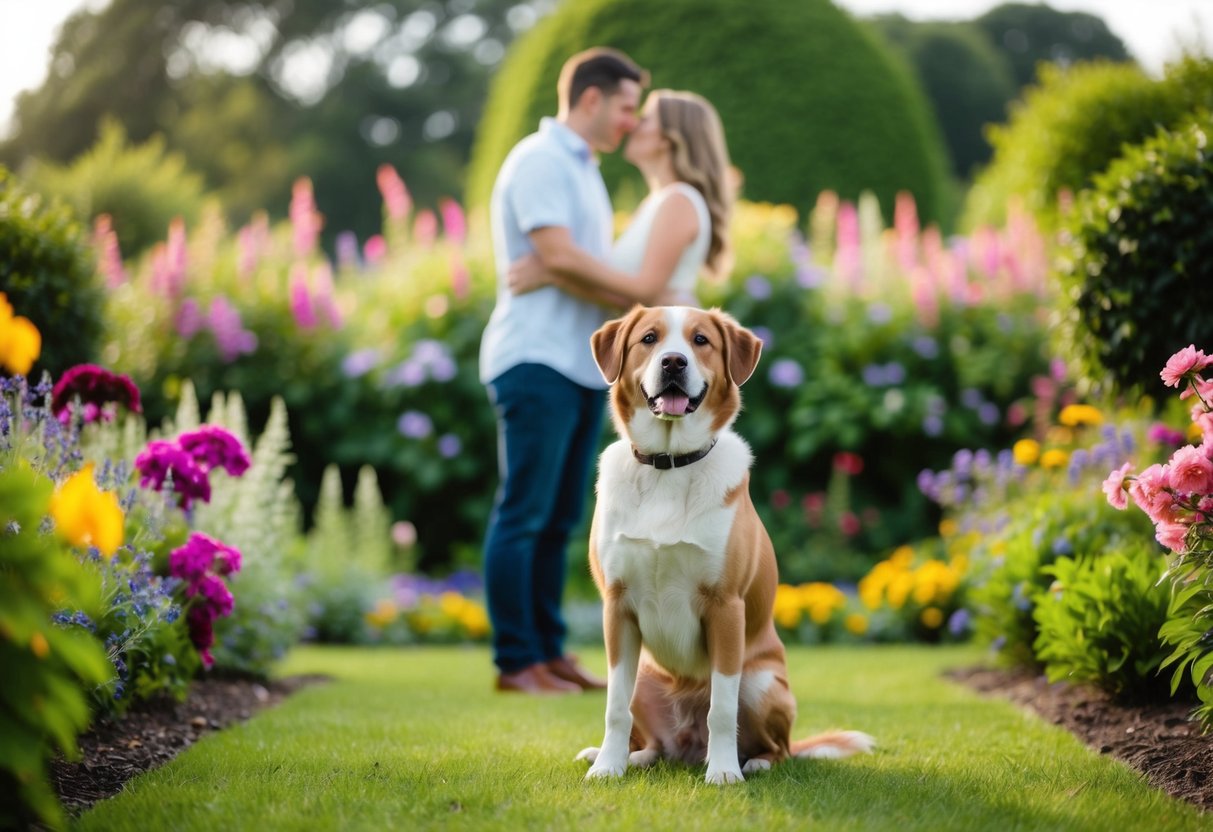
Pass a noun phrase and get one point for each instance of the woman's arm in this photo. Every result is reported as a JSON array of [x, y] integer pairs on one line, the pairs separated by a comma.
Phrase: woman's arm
[[675, 227]]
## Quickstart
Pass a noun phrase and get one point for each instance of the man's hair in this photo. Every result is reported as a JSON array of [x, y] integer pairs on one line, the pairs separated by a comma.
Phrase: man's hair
[[600, 67]]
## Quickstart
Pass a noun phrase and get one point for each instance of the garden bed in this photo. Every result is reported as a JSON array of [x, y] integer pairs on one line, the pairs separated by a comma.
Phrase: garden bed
[[1160, 741], [152, 733]]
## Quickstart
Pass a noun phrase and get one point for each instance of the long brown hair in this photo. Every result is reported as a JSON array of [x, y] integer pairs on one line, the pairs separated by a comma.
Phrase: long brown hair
[[701, 159]]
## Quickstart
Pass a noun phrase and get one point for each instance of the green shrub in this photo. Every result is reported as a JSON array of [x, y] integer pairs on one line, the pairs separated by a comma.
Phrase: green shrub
[[1138, 258], [1099, 621], [46, 270], [1188, 633], [1072, 125], [809, 99], [142, 187], [46, 668]]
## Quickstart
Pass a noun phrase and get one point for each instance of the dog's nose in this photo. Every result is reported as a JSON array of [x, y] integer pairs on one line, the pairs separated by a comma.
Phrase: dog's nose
[[673, 362]]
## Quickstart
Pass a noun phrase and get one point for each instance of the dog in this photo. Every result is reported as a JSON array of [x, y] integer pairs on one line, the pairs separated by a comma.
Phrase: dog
[[685, 567]]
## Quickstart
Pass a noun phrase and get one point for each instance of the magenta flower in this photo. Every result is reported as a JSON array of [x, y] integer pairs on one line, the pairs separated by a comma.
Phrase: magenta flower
[[374, 249], [202, 633], [232, 339], [95, 387], [301, 298], [161, 459], [200, 563], [214, 596], [213, 447], [1188, 360], [1114, 486]]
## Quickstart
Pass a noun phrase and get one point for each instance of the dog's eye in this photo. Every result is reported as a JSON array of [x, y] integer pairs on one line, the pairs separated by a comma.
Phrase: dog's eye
[[649, 338], [700, 339]]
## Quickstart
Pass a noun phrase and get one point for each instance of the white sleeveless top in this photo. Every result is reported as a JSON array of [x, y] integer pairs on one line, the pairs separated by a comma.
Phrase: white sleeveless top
[[629, 249]]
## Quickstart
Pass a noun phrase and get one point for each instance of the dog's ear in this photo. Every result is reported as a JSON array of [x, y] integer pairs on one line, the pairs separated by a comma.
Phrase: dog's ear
[[742, 348], [609, 344]]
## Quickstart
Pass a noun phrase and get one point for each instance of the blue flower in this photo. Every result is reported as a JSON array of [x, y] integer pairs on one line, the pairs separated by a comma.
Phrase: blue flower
[[449, 445], [786, 373]]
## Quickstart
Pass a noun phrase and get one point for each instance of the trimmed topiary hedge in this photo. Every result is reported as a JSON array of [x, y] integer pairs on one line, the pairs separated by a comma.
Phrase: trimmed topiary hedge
[[46, 270], [810, 99], [1138, 258], [1072, 125]]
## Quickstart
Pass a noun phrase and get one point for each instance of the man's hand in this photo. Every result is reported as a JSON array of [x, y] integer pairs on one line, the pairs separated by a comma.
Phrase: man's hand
[[528, 274]]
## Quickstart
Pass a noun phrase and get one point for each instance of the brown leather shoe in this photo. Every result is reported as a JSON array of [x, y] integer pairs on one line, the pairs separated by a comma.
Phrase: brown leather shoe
[[535, 680], [570, 670]]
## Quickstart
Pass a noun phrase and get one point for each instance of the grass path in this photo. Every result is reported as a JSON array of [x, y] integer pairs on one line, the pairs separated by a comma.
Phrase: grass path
[[415, 739]]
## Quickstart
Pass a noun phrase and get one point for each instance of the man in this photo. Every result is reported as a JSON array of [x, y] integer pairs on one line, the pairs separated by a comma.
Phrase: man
[[549, 200]]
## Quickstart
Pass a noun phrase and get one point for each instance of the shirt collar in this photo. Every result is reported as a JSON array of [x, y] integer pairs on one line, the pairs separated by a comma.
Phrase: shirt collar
[[566, 138]]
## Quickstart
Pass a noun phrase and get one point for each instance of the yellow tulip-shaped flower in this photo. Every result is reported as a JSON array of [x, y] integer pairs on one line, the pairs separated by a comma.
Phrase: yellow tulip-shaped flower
[[1053, 458], [20, 340], [87, 516], [1076, 415], [1026, 451]]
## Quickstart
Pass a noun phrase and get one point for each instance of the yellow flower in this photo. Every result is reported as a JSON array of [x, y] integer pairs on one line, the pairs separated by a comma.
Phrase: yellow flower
[[1075, 415], [787, 606], [87, 516], [1195, 432], [856, 623], [902, 556], [899, 590], [1053, 458], [382, 615], [39, 646], [1026, 451], [474, 619], [931, 618], [20, 340], [948, 527]]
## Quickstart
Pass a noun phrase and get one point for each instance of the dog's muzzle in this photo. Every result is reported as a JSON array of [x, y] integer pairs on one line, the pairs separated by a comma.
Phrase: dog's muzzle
[[674, 401]]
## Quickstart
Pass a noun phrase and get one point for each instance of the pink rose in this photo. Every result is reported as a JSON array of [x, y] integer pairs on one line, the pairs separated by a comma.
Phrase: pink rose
[[1114, 486], [1187, 360], [1150, 493], [1171, 535], [1191, 470]]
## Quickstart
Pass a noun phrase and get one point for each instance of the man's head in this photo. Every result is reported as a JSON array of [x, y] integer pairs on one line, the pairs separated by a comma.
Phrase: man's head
[[599, 93]]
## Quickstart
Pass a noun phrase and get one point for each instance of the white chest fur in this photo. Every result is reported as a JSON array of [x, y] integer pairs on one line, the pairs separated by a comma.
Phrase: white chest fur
[[664, 535]]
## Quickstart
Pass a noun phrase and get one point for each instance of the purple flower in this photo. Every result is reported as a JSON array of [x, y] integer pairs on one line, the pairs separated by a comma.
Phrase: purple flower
[[361, 362], [932, 424], [414, 424], [232, 339], [958, 622], [809, 276], [189, 319], [193, 560], [765, 335], [988, 414], [1164, 435], [408, 373], [214, 594], [880, 313], [786, 373], [95, 387], [449, 445], [213, 447], [161, 459], [758, 287], [926, 347], [347, 249]]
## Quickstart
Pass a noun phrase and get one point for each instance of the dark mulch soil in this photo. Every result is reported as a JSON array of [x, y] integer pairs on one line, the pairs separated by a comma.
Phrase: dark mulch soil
[[152, 733], [1158, 740]]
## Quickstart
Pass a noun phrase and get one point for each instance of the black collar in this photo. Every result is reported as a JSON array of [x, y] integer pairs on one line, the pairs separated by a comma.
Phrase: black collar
[[663, 462]]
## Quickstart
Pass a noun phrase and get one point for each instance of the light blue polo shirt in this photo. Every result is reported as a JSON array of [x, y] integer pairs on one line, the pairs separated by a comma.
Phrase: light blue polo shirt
[[550, 178]]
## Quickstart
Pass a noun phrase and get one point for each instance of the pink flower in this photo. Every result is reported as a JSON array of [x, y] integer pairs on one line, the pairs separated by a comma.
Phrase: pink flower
[[1149, 491], [306, 221], [1204, 389], [108, 253], [395, 195], [1191, 470], [425, 227], [1114, 486], [95, 387], [301, 298], [1187, 360], [375, 249], [453, 222], [1171, 535]]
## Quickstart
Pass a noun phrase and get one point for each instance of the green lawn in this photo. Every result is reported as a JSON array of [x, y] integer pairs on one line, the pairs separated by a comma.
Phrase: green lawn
[[415, 739]]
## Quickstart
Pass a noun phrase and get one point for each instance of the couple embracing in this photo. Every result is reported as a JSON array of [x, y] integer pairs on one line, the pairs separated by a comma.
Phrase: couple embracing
[[560, 276]]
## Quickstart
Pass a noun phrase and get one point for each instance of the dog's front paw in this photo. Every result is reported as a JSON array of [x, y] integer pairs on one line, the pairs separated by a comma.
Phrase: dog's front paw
[[724, 776], [606, 769]]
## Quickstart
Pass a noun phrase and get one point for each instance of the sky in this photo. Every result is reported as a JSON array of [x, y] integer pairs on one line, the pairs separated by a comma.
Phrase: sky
[[1153, 30]]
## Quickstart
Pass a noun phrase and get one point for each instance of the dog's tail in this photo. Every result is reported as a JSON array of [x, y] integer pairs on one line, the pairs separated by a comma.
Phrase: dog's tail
[[833, 745]]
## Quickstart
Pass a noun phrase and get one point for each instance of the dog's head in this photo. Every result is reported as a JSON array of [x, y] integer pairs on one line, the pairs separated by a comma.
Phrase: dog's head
[[674, 373]]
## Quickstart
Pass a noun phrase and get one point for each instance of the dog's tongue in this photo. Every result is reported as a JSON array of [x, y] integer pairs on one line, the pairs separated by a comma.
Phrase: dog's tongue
[[672, 404]]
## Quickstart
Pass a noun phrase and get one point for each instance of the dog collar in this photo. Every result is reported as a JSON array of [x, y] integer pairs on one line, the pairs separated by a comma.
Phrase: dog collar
[[663, 462]]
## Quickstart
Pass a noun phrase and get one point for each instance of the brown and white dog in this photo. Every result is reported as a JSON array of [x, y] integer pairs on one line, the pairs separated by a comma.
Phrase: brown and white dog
[[686, 570]]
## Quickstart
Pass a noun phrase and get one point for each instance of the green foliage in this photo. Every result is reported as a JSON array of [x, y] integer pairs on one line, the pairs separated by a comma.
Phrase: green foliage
[[46, 668], [966, 78], [47, 272], [1074, 123], [1028, 34], [1137, 259], [809, 99], [142, 188], [1099, 621], [1189, 633]]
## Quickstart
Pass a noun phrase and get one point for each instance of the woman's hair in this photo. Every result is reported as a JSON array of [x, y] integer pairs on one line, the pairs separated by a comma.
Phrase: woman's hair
[[701, 159]]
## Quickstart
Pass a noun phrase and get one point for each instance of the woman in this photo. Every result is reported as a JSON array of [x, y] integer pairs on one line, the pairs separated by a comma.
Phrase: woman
[[679, 228]]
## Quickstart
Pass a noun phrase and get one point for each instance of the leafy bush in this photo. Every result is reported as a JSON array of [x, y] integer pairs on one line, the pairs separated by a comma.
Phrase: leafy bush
[[46, 668], [821, 114], [46, 270], [1074, 123], [1099, 621], [142, 188], [1137, 258]]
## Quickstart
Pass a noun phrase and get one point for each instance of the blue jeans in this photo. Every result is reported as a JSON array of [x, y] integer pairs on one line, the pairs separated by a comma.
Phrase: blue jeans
[[547, 435]]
